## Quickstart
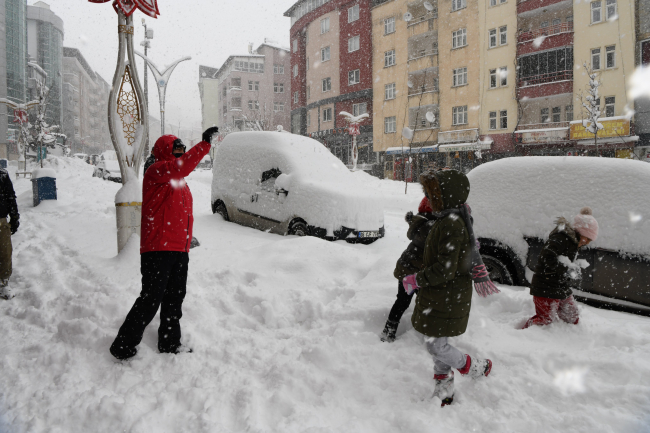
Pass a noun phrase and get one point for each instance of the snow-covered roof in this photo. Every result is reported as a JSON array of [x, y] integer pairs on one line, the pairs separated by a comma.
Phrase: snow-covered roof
[[516, 197], [274, 45]]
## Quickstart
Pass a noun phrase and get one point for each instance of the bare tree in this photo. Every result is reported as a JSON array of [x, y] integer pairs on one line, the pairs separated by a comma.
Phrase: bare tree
[[591, 103]]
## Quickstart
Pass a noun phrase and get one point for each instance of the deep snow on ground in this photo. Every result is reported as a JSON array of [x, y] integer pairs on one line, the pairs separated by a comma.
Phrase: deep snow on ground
[[285, 336]]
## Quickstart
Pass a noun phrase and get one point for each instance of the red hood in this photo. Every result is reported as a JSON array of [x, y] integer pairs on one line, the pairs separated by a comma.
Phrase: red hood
[[425, 207], [162, 150]]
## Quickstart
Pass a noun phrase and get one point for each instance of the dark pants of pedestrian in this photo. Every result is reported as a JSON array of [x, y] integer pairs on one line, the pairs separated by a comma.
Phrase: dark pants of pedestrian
[[548, 310], [164, 281], [401, 304]]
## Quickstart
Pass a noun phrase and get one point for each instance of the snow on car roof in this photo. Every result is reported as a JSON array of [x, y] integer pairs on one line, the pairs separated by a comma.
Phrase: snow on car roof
[[516, 197]]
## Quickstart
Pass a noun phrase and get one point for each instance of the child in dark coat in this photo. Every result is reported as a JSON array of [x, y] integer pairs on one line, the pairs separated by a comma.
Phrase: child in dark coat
[[410, 262]]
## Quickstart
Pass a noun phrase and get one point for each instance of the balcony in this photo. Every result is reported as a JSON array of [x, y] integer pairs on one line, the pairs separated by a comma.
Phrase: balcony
[[423, 53], [546, 31], [551, 77]]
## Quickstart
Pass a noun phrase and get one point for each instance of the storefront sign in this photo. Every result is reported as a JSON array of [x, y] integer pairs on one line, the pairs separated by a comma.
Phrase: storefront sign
[[461, 136], [465, 147], [541, 137], [614, 127]]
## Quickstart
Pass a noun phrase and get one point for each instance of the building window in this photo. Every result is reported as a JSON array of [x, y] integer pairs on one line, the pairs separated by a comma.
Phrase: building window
[[327, 115], [493, 2], [295, 97], [611, 9], [545, 116], [389, 25], [568, 113], [308, 92], [610, 56], [556, 114], [503, 75], [359, 109], [353, 13], [295, 45], [278, 87], [278, 69], [503, 119], [353, 44], [326, 84], [503, 35], [389, 58], [354, 77], [596, 15], [609, 106], [253, 86], [595, 59], [253, 105], [295, 70], [460, 77], [492, 38], [493, 120], [278, 106], [546, 63], [389, 91], [324, 25], [235, 82], [459, 115], [493, 79], [309, 119], [235, 103], [324, 54], [307, 64], [459, 38], [390, 125], [458, 4]]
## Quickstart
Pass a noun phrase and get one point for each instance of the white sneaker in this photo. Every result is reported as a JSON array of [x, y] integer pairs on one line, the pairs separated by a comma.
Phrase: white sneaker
[[444, 388], [477, 368], [5, 291]]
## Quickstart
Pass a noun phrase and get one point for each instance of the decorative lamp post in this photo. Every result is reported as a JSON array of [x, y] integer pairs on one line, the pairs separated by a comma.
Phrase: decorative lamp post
[[354, 130], [128, 118], [20, 117], [162, 79], [148, 36]]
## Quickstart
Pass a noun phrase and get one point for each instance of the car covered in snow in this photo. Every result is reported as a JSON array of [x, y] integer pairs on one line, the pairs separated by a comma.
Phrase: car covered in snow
[[108, 167], [289, 184], [515, 202]]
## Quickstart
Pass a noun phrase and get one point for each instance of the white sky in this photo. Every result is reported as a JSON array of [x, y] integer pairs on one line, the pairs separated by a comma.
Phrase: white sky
[[207, 30]]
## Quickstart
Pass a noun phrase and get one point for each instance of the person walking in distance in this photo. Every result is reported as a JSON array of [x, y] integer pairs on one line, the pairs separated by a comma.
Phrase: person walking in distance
[[166, 229], [8, 207]]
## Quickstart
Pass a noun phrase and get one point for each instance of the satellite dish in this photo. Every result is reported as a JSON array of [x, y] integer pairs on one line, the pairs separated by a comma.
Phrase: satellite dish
[[428, 6], [410, 84], [430, 117], [408, 16]]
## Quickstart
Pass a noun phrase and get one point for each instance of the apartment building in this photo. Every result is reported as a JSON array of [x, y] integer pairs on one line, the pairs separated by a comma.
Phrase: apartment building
[[248, 92], [331, 72], [642, 58]]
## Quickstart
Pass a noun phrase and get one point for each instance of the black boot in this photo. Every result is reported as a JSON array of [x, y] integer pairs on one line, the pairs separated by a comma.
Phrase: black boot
[[121, 352], [388, 334]]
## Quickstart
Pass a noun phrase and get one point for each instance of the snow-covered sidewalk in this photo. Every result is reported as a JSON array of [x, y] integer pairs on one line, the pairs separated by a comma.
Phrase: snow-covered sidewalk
[[285, 337]]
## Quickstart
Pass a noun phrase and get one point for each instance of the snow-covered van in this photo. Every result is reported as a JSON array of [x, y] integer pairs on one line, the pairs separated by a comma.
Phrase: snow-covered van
[[290, 184], [108, 167], [515, 202]]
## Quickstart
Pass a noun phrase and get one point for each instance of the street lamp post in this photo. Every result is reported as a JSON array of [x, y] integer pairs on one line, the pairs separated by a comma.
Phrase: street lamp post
[[354, 130], [148, 36]]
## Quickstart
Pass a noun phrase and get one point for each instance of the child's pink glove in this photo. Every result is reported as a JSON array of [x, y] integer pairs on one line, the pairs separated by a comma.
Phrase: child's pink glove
[[410, 284]]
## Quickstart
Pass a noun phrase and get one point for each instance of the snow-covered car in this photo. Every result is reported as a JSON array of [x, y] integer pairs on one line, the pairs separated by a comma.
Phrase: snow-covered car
[[515, 202], [205, 164], [81, 156], [108, 168], [290, 184]]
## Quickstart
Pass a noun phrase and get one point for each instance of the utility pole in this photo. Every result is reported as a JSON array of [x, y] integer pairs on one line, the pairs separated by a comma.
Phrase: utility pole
[[148, 36]]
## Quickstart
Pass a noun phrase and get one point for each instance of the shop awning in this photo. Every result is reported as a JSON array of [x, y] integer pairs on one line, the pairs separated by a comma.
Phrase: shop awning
[[415, 150], [464, 147], [609, 140]]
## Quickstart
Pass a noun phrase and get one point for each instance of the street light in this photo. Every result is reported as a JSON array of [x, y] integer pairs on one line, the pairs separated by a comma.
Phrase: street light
[[148, 35]]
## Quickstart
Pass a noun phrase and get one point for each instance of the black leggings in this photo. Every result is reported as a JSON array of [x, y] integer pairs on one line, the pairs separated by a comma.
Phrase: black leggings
[[401, 303]]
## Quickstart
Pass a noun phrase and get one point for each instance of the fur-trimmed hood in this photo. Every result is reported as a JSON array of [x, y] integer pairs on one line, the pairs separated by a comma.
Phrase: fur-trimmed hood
[[445, 189], [563, 225]]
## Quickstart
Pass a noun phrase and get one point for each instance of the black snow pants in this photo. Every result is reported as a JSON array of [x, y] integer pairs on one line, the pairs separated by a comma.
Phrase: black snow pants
[[164, 280], [401, 304]]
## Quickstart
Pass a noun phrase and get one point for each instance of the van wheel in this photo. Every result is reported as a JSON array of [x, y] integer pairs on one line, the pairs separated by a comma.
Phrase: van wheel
[[497, 270], [299, 228], [220, 208]]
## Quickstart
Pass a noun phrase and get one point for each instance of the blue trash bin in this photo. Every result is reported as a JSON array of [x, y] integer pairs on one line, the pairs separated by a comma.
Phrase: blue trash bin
[[43, 188]]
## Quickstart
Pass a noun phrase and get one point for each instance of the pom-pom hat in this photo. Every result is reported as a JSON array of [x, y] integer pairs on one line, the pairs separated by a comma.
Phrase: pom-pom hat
[[586, 224]]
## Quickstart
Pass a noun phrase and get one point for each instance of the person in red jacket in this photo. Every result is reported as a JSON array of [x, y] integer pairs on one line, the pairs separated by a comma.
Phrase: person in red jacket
[[166, 233]]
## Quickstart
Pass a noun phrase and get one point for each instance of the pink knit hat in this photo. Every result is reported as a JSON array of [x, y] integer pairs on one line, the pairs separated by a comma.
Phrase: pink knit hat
[[586, 224]]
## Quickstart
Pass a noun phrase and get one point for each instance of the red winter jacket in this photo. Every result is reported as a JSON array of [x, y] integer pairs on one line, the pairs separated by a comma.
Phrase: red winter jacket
[[167, 218]]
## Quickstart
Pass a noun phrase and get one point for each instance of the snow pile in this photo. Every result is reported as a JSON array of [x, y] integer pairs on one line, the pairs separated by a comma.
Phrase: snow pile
[[516, 197], [321, 190]]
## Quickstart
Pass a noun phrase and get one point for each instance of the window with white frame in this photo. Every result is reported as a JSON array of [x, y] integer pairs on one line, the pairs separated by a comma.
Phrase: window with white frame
[[493, 78], [353, 13], [253, 105], [545, 118], [278, 69], [326, 84], [253, 86], [503, 75], [389, 58], [611, 9], [568, 113], [324, 54], [390, 125], [595, 59], [295, 97], [493, 120], [503, 35], [390, 91], [353, 44], [596, 12], [458, 4], [278, 106], [492, 38], [493, 2], [295, 45], [503, 119], [295, 70], [459, 38], [354, 77], [327, 115], [359, 109], [389, 25], [610, 102], [556, 114], [460, 77], [324, 25], [610, 56], [278, 87], [459, 115]]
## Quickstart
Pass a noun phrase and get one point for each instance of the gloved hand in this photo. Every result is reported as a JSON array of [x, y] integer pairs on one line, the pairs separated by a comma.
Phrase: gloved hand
[[14, 223], [207, 135], [410, 284]]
